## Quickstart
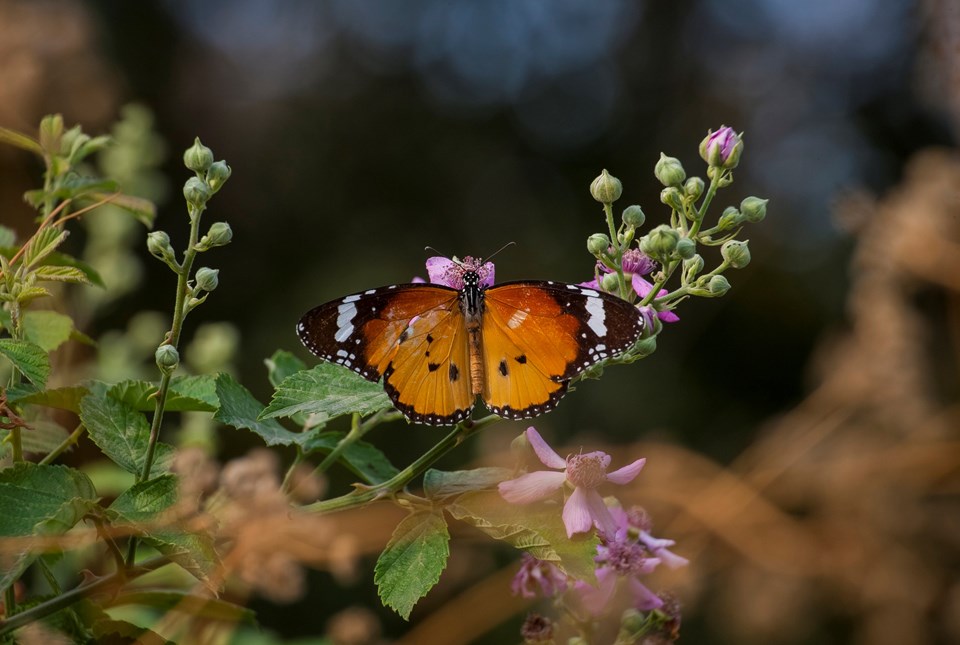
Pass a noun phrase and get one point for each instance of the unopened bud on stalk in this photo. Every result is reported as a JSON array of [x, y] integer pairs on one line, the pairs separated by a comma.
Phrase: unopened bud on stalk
[[597, 244], [736, 252], [634, 216], [207, 278], [670, 171], [606, 188], [167, 358], [198, 157], [754, 209]]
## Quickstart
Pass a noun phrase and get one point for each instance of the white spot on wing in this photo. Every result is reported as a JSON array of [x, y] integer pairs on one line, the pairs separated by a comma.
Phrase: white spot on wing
[[345, 315], [598, 316], [351, 299], [517, 319]]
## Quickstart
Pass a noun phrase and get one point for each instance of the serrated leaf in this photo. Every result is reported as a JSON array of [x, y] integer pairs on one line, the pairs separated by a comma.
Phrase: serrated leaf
[[364, 459], [192, 551], [201, 606], [62, 398], [439, 483], [327, 391], [30, 294], [412, 562], [21, 141], [535, 528], [63, 260], [122, 433], [42, 244], [281, 365], [144, 501], [48, 329], [29, 358], [40, 500], [185, 394], [72, 275], [238, 408], [89, 147]]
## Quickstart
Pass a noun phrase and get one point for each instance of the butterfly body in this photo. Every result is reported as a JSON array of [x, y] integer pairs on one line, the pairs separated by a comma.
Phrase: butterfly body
[[515, 344]]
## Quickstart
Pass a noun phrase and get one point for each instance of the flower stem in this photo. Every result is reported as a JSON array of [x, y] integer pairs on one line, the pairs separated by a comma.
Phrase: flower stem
[[64, 445], [625, 292], [362, 496]]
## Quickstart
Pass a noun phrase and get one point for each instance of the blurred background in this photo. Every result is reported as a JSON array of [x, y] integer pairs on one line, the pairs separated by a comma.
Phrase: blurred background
[[801, 433]]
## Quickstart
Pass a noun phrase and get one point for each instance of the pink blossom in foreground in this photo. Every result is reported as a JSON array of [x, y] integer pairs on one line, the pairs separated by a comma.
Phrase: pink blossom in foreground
[[534, 574], [585, 471]]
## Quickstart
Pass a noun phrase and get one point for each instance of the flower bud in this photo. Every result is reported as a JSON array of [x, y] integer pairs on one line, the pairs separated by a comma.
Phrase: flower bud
[[218, 174], [606, 188], [207, 278], [196, 192], [692, 268], [167, 358], [597, 244], [198, 157], [693, 188], [610, 283], [633, 621], [158, 243], [634, 216], [219, 234], [737, 253], [660, 242], [722, 148], [672, 198], [754, 209], [669, 171], [731, 218], [686, 248], [718, 285]]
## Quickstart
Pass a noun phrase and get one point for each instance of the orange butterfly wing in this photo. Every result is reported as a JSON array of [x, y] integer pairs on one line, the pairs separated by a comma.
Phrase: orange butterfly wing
[[411, 335], [539, 335]]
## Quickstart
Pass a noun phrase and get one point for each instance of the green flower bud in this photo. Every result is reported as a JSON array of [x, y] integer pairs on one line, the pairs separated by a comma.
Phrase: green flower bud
[[597, 244], [633, 621], [196, 192], [644, 347], [198, 157], [692, 268], [219, 234], [754, 209], [634, 216], [167, 358], [218, 174], [686, 248], [672, 198], [660, 242], [670, 171], [730, 219], [606, 188], [158, 243], [207, 278], [693, 188], [735, 252], [718, 285], [610, 282]]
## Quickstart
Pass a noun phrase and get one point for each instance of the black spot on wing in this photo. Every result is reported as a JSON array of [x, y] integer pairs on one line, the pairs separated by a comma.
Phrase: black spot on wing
[[503, 367], [419, 417], [522, 358], [433, 367], [454, 372]]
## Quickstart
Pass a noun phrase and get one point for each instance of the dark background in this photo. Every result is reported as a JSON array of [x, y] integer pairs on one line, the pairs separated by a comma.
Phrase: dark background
[[360, 132]]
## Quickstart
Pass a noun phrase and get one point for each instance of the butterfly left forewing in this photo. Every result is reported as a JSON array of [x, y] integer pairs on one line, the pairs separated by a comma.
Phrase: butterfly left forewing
[[539, 335]]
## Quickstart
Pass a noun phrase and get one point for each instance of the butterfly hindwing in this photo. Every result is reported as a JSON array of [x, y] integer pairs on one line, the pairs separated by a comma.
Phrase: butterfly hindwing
[[411, 335], [539, 335]]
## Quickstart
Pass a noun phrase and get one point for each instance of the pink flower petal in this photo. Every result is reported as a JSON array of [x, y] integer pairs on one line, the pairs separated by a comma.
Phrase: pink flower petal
[[531, 487], [626, 474], [643, 598], [593, 284], [486, 272], [443, 271], [642, 287], [576, 512], [599, 512], [595, 599], [548, 456], [667, 316]]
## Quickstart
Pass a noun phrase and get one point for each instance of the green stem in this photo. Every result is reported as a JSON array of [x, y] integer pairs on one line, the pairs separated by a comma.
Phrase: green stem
[[625, 292], [94, 586], [64, 445], [363, 496], [684, 290], [705, 204]]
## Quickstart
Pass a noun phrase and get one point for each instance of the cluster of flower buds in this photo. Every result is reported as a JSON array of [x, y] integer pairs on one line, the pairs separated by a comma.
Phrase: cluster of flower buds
[[638, 267]]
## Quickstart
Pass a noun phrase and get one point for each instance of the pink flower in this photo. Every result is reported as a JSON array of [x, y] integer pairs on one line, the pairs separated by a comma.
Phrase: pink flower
[[535, 573], [636, 265], [722, 148], [450, 272], [585, 471]]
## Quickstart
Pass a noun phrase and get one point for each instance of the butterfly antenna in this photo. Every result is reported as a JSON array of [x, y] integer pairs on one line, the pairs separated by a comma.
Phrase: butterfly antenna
[[492, 255]]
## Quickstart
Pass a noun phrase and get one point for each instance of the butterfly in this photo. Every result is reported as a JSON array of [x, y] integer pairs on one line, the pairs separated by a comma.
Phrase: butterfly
[[439, 345]]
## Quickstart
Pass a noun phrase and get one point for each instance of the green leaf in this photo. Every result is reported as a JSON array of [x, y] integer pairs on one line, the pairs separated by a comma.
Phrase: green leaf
[[62, 398], [43, 244], [121, 632], [412, 562], [48, 329], [281, 365], [72, 275], [30, 294], [143, 210], [439, 483], [144, 501], [122, 433], [535, 528], [200, 606], [43, 436], [326, 391], [58, 259], [238, 408], [362, 458], [192, 551], [28, 357], [185, 394], [19, 140], [8, 237], [40, 500]]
